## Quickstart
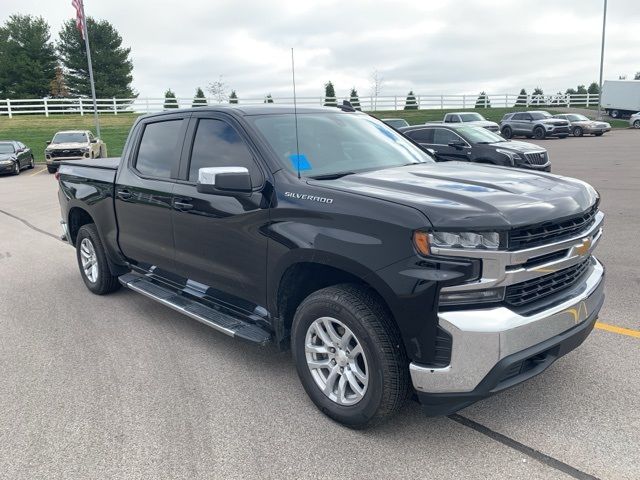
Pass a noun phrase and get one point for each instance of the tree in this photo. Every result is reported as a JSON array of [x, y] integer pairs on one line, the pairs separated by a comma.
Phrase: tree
[[354, 99], [233, 97], [376, 87], [581, 90], [522, 98], [483, 101], [410, 103], [268, 98], [636, 76], [27, 57], [112, 66], [199, 100], [537, 97], [58, 86], [170, 100], [571, 91], [329, 95], [594, 88], [218, 89]]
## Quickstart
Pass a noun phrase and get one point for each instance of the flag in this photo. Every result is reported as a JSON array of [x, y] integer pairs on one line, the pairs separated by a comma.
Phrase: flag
[[77, 4]]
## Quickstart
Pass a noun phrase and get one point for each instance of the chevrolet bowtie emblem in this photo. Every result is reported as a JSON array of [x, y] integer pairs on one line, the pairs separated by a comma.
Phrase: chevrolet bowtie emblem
[[585, 247]]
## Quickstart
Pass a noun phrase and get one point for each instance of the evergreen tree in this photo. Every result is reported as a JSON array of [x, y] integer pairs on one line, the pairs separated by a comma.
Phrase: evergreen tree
[[27, 57], [483, 101], [233, 97], [329, 95], [198, 101], [636, 76], [268, 98], [410, 103], [58, 86], [522, 98], [571, 91], [354, 99], [170, 100], [537, 97], [594, 88], [112, 66], [581, 90]]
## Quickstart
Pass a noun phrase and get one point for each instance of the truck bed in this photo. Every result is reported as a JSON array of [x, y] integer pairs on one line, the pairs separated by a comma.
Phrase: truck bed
[[110, 163]]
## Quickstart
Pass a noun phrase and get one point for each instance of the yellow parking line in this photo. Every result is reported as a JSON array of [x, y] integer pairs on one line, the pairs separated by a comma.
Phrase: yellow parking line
[[39, 171], [619, 330]]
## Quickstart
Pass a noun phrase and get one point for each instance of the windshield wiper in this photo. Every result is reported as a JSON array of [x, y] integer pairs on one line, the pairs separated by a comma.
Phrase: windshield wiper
[[332, 176]]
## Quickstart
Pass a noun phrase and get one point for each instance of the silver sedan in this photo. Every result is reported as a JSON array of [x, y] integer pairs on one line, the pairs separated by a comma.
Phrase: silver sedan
[[581, 125], [634, 121]]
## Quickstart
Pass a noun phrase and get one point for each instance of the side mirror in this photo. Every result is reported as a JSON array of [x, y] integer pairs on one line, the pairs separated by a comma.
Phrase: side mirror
[[228, 181], [95, 140], [48, 142], [457, 144]]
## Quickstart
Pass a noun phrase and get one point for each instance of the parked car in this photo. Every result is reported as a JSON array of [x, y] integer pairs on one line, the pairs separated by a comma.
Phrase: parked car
[[396, 122], [580, 125], [15, 156], [476, 144], [471, 118], [533, 125], [386, 272], [634, 120], [73, 145]]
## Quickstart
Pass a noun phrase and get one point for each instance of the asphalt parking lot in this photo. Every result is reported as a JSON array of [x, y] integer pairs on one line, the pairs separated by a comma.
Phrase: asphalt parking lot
[[122, 387]]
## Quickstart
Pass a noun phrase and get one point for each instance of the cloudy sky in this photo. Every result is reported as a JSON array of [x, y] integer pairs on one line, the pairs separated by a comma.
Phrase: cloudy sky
[[437, 46]]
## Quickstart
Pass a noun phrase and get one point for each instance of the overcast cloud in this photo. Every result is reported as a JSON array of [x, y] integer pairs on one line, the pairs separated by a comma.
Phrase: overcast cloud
[[441, 46]]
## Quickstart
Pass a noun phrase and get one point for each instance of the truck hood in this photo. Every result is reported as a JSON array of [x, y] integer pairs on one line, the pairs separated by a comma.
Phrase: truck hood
[[70, 145], [460, 195]]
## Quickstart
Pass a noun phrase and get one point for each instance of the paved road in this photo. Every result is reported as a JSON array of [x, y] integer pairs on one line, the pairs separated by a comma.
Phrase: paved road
[[121, 387]]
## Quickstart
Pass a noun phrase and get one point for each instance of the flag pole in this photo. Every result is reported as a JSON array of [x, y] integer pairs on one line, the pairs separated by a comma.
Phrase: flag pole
[[93, 87]]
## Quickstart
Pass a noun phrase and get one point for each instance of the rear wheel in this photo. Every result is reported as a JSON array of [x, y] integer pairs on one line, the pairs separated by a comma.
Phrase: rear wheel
[[577, 132], [507, 132], [539, 133], [614, 113], [599, 134], [636, 124], [349, 355], [32, 162], [92, 261]]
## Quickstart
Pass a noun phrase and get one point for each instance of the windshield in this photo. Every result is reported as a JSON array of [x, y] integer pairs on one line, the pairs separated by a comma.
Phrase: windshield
[[332, 143], [6, 148], [78, 137], [479, 135], [540, 115], [578, 118], [471, 117]]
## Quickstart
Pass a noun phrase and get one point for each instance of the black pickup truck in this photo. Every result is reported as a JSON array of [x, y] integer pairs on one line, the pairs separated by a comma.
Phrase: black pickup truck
[[386, 273]]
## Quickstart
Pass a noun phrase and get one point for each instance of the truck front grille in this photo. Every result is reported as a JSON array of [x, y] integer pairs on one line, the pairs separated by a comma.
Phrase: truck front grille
[[536, 158], [72, 152], [530, 291], [533, 236]]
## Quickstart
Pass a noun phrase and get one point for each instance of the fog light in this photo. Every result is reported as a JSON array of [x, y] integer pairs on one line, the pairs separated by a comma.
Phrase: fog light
[[86, 155], [490, 295]]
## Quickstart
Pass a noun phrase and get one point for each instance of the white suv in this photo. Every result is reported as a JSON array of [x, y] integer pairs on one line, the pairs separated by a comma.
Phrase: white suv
[[73, 145]]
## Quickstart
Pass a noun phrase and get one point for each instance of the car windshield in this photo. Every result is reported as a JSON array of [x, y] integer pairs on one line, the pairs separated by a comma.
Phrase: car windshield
[[479, 135], [471, 117], [336, 143], [7, 148], [70, 137], [578, 118], [540, 115]]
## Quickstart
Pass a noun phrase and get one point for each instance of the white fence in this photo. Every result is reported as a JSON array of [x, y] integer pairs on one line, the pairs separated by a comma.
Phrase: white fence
[[82, 106]]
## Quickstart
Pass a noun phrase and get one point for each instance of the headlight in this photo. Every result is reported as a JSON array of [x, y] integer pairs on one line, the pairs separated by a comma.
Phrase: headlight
[[489, 295], [513, 156], [423, 241], [5, 162]]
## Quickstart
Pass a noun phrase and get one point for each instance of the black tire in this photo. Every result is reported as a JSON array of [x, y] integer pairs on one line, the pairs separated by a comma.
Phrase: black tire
[[105, 281], [599, 134], [52, 169], [564, 135], [636, 124], [16, 168], [577, 132], [529, 136], [507, 132], [32, 163], [539, 133], [614, 113], [387, 367]]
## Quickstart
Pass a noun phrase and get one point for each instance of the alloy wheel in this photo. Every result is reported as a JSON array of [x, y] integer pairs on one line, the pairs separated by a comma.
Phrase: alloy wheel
[[89, 260], [336, 361]]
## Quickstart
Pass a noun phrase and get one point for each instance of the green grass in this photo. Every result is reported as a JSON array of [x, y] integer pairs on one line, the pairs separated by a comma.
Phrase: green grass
[[35, 130]]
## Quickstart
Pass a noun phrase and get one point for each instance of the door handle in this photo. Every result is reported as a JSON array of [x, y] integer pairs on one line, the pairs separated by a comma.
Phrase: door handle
[[124, 194], [182, 206]]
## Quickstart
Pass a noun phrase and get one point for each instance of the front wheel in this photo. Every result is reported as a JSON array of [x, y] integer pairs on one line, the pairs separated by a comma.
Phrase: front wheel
[[16, 168], [539, 133], [32, 162], [636, 124], [92, 261], [577, 132], [349, 355]]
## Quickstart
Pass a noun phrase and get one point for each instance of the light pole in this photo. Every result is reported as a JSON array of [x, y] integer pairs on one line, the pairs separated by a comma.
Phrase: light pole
[[604, 24]]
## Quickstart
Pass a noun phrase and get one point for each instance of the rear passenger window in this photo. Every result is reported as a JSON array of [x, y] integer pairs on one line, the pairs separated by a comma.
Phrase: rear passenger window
[[217, 144], [159, 150], [442, 136], [424, 135]]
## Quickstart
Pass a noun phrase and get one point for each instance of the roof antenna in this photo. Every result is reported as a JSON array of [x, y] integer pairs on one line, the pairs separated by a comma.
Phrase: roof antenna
[[295, 112]]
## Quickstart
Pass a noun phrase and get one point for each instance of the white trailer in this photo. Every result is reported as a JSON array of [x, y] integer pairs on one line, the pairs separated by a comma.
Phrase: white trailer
[[621, 98]]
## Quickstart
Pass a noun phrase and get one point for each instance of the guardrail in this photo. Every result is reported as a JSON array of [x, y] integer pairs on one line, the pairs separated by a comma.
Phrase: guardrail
[[82, 106]]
